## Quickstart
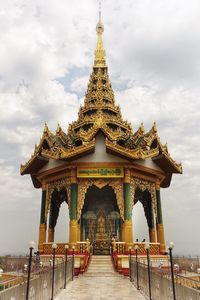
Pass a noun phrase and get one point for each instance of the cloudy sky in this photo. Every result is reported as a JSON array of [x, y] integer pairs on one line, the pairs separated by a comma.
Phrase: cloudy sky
[[46, 56]]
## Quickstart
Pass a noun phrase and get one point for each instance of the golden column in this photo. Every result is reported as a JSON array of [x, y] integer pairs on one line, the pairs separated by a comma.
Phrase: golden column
[[50, 235], [74, 227], [159, 225], [152, 235], [42, 227], [127, 230]]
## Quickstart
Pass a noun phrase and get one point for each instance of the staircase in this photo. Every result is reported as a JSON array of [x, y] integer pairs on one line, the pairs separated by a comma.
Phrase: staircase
[[101, 266]]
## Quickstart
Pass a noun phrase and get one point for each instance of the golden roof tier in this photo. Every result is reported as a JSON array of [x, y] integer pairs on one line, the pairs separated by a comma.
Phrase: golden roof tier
[[101, 114]]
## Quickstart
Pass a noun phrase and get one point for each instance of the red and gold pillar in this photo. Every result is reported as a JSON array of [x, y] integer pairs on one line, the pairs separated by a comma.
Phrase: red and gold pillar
[[42, 227], [127, 230], [159, 225]]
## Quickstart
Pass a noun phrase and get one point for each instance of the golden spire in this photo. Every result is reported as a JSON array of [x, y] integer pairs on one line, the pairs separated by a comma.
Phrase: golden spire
[[100, 60]]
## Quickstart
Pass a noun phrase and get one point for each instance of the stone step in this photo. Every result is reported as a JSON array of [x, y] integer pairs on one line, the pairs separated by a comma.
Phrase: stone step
[[99, 263], [97, 268], [101, 266], [101, 256], [100, 275], [102, 259], [108, 263], [103, 269], [100, 272]]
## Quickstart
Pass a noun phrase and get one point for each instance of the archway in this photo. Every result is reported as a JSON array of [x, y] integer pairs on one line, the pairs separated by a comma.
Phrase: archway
[[140, 228], [100, 219], [144, 197], [58, 197]]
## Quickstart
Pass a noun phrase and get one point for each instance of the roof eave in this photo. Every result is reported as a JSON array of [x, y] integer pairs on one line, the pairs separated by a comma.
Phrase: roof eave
[[166, 164], [34, 165]]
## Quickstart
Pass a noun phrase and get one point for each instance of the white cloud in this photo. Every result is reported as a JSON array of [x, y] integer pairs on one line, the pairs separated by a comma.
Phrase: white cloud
[[79, 84]]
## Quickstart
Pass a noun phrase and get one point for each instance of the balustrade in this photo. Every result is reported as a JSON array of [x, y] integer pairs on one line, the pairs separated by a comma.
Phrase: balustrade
[[40, 283], [120, 247], [161, 285]]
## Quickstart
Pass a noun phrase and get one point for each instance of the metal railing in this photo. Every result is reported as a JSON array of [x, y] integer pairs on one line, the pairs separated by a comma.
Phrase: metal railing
[[41, 284], [161, 283]]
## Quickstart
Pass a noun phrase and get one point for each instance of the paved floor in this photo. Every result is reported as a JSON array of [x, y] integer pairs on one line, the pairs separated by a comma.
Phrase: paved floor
[[98, 284], [85, 288]]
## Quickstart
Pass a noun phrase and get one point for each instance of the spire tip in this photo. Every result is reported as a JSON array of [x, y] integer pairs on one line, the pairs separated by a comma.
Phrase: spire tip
[[99, 52]]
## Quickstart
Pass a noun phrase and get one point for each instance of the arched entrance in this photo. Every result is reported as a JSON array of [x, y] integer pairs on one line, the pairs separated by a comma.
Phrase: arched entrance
[[100, 218], [57, 198], [144, 197]]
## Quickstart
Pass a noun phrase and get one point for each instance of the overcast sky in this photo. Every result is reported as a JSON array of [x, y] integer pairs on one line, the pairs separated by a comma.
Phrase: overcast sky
[[46, 56]]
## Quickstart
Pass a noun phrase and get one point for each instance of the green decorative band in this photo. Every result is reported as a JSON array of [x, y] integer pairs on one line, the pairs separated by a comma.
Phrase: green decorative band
[[43, 204], [74, 198], [100, 172], [159, 208], [127, 201]]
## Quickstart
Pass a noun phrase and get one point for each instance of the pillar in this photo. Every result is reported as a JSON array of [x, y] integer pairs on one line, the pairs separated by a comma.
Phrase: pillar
[[73, 232], [42, 226], [127, 231], [51, 228], [159, 225], [152, 230], [78, 232], [50, 235], [152, 235]]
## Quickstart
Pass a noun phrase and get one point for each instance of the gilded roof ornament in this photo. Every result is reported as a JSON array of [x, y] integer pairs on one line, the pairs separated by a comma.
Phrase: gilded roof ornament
[[142, 128], [46, 129], [100, 60], [154, 126], [58, 130]]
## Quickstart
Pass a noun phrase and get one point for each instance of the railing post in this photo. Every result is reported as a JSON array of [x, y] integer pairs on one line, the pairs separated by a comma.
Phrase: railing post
[[54, 246], [147, 246], [137, 271], [32, 244], [114, 246], [73, 247], [87, 246], [66, 254], [172, 269], [130, 263]]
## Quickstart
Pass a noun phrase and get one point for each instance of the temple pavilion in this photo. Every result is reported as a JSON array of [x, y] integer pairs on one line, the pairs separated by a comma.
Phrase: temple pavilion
[[101, 168]]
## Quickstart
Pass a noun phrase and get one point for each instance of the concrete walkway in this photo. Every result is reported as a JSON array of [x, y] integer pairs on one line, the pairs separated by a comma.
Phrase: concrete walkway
[[100, 282]]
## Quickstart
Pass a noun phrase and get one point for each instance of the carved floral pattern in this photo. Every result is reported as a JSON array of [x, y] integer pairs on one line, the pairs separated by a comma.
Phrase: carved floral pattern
[[143, 185], [58, 185], [116, 184]]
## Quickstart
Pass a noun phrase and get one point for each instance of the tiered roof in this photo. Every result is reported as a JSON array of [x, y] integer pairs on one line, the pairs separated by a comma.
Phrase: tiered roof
[[100, 113]]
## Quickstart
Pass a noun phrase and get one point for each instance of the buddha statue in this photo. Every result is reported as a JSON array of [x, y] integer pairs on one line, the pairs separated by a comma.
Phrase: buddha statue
[[101, 228]]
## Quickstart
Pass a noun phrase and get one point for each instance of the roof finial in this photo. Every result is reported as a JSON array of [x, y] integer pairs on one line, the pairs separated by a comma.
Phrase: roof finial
[[46, 127], [100, 52], [99, 10]]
